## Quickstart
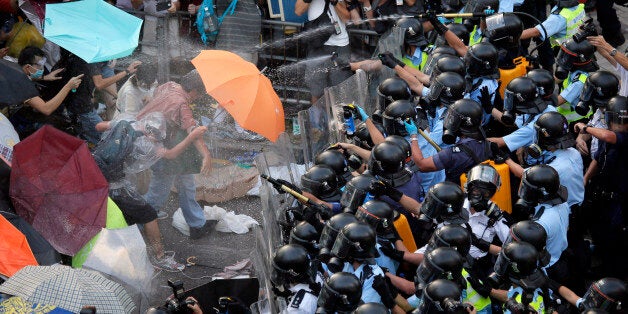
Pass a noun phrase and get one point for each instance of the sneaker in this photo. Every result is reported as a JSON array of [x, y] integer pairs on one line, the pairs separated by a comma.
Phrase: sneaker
[[168, 263], [162, 214], [197, 233]]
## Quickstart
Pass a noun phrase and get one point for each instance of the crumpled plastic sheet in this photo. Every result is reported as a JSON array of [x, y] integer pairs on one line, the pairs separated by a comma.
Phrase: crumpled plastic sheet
[[227, 221]]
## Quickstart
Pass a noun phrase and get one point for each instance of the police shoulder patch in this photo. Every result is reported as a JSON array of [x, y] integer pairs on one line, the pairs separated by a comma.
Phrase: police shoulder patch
[[297, 299], [455, 149]]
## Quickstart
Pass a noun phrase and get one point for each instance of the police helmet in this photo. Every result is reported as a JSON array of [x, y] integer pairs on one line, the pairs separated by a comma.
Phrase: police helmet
[[577, 55], [461, 31], [362, 136], [446, 88], [516, 260], [305, 235], [340, 293], [594, 311], [371, 308], [401, 142], [448, 63], [440, 263], [435, 55], [540, 183], [531, 232], [522, 96], [464, 117], [322, 182], [617, 111], [357, 241], [607, 294], [481, 60], [552, 132], [413, 31], [482, 183], [478, 6], [453, 6], [291, 264], [380, 216], [335, 159], [391, 89], [396, 114], [443, 202], [386, 159], [356, 190], [331, 230], [504, 30], [544, 81], [598, 89], [567, 3], [454, 236], [438, 294]]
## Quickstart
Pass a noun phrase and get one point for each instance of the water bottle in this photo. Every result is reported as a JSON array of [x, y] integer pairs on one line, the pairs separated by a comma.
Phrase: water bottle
[[368, 197], [296, 129], [349, 123], [210, 23]]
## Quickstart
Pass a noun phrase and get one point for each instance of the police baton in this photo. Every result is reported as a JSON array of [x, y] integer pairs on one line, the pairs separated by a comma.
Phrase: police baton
[[453, 15], [302, 198], [429, 140]]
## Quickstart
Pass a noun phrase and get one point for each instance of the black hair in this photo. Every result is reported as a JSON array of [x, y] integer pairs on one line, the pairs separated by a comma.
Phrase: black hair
[[28, 54], [146, 74], [192, 81]]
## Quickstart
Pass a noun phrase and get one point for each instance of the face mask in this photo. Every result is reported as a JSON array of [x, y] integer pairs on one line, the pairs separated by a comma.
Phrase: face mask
[[38, 74]]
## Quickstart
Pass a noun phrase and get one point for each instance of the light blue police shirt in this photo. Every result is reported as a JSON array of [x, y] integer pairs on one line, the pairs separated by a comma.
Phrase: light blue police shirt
[[555, 221], [508, 5], [525, 134], [384, 261], [568, 164], [555, 24], [572, 93], [368, 293]]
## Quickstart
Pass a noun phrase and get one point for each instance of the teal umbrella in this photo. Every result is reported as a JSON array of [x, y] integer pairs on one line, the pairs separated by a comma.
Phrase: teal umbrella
[[92, 29]]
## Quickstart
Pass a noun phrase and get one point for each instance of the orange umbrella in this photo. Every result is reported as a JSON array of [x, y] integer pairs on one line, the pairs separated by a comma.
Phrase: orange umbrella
[[242, 90], [15, 253]]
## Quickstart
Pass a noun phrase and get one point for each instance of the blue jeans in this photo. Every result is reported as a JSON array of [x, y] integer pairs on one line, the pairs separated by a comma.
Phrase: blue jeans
[[88, 123], [159, 189]]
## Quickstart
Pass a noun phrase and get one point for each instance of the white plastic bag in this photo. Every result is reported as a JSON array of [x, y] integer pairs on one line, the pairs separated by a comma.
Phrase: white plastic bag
[[227, 221]]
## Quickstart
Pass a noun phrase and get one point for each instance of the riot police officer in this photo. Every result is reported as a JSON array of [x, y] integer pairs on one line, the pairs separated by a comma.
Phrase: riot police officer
[[340, 294], [575, 61], [545, 84], [532, 232], [462, 121], [563, 22], [553, 146], [443, 203], [392, 89], [598, 89], [293, 279], [522, 106], [482, 74], [307, 236], [330, 232], [336, 160], [320, 183], [442, 296], [357, 192], [371, 308], [609, 187], [606, 294], [414, 55], [543, 197]]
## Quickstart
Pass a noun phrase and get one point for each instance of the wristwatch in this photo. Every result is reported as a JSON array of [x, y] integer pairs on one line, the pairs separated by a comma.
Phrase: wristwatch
[[584, 129], [613, 52], [366, 9]]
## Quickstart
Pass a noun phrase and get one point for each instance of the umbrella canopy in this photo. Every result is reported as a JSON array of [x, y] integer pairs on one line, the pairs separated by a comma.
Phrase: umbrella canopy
[[15, 87], [44, 253], [68, 288], [57, 187], [15, 252], [75, 26], [242, 90], [19, 305]]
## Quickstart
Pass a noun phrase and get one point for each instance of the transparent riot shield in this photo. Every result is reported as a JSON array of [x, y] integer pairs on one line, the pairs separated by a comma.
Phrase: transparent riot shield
[[352, 91], [314, 126], [260, 257], [391, 41]]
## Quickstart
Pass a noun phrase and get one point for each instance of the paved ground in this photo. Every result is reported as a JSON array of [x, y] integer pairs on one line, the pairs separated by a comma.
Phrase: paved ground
[[622, 14]]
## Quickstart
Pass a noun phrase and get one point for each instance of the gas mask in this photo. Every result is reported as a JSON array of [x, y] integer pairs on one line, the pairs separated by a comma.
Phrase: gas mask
[[529, 197], [451, 126], [510, 114], [478, 198]]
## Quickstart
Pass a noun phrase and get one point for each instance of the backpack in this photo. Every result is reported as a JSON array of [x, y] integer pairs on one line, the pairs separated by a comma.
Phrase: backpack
[[207, 22], [113, 149]]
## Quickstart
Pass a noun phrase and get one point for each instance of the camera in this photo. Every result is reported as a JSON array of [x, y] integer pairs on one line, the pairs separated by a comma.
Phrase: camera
[[585, 30], [455, 306], [178, 303]]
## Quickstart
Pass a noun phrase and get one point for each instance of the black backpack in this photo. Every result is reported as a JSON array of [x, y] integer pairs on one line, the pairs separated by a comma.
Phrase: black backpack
[[113, 149]]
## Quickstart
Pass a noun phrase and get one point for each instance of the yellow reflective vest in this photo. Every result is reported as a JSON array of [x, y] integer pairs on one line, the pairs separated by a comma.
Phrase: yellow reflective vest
[[567, 109], [574, 19], [477, 300]]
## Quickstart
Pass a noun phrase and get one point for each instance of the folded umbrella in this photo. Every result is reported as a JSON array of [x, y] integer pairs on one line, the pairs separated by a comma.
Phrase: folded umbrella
[[243, 91], [92, 29], [14, 84]]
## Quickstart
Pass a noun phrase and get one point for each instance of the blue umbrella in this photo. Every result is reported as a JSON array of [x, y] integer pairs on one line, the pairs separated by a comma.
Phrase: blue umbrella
[[92, 29]]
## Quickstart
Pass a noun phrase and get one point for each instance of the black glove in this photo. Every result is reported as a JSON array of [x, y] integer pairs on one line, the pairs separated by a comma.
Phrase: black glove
[[379, 284], [389, 60], [383, 188], [499, 156], [485, 100], [323, 210], [307, 1], [479, 243], [287, 184], [438, 26], [481, 287], [392, 253], [335, 265]]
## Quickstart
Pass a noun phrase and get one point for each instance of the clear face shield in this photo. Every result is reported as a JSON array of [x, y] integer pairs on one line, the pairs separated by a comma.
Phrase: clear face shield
[[566, 59], [333, 300], [382, 226], [342, 246], [352, 197], [395, 126], [433, 207], [594, 298], [280, 276], [510, 99]]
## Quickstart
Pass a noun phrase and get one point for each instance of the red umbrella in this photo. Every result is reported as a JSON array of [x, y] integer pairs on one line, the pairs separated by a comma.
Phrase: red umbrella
[[57, 187]]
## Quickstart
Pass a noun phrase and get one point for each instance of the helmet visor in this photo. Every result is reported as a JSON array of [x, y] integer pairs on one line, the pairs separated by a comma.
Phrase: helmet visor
[[494, 23], [425, 274], [588, 92], [432, 207], [529, 192], [596, 299], [352, 197], [436, 88], [342, 246], [566, 59], [452, 121], [328, 237], [501, 264], [484, 175], [510, 99]]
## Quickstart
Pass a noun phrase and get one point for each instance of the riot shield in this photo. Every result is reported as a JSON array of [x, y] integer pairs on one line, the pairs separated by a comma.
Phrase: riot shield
[[260, 257], [314, 126], [391, 41], [352, 91]]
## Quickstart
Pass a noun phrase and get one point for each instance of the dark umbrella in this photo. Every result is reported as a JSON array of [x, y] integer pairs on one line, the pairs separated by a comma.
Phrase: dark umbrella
[[15, 87], [57, 187], [44, 253]]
